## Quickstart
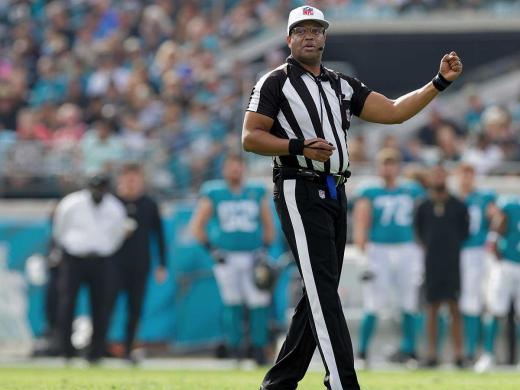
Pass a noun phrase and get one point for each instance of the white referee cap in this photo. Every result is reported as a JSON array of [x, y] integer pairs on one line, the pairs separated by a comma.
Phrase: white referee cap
[[303, 13]]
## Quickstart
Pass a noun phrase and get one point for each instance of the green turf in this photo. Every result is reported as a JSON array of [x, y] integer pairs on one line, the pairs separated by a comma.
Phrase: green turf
[[136, 379]]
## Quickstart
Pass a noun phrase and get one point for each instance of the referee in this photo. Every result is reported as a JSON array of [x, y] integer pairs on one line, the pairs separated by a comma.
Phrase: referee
[[299, 113]]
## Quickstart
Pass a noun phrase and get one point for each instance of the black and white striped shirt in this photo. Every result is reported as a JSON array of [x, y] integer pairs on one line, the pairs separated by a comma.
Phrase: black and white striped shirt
[[305, 106]]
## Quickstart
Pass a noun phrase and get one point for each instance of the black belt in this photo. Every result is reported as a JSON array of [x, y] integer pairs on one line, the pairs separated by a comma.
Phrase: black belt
[[287, 173]]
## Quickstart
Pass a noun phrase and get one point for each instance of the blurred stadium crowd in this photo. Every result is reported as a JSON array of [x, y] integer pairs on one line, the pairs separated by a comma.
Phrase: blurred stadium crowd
[[86, 84], [485, 136]]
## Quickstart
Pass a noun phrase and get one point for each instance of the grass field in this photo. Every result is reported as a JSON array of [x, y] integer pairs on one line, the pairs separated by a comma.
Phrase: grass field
[[130, 379]]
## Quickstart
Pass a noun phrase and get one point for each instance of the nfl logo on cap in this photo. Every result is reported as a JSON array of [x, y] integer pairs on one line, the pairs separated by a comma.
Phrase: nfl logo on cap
[[308, 11]]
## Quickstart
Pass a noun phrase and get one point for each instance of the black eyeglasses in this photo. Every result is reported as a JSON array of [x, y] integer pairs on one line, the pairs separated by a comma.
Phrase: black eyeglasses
[[301, 31]]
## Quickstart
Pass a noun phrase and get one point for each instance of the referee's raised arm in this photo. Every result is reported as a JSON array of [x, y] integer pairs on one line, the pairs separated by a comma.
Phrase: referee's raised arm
[[380, 109]]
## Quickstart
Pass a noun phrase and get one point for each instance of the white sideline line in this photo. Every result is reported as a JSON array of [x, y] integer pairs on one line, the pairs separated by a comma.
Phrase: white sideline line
[[197, 364]]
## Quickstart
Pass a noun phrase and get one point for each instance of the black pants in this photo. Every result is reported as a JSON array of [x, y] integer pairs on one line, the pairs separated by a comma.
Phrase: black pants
[[73, 273], [316, 228], [131, 280], [51, 300]]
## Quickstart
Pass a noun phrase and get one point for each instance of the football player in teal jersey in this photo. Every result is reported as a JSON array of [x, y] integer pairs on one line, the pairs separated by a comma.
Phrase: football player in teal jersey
[[383, 230], [244, 227], [504, 278], [480, 205]]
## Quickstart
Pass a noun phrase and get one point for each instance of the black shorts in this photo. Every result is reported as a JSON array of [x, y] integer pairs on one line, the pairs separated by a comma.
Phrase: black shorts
[[439, 291], [442, 281]]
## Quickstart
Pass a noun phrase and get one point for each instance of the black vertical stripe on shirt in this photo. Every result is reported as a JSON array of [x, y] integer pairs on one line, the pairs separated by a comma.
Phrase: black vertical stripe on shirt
[[333, 126], [285, 107], [305, 95]]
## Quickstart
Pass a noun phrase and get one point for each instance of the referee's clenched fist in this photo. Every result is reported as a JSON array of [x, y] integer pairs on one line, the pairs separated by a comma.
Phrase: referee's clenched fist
[[451, 66]]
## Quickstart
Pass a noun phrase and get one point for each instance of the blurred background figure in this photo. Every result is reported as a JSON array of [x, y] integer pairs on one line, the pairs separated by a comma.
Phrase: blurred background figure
[[480, 204], [244, 230], [101, 148], [429, 133], [448, 143], [357, 149], [483, 155], [504, 279], [132, 262], [384, 232], [89, 227], [473, 114], [442, 225]]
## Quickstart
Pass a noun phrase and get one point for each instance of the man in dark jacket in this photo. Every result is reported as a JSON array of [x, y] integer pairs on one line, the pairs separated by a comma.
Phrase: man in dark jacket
[[132, 262], [442, 225]]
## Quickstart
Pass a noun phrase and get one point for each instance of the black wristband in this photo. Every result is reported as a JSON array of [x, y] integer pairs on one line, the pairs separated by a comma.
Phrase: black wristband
[[296, 146], [440, 83]]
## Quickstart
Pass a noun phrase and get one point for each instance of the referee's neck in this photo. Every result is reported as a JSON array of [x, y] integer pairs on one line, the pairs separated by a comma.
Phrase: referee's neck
[[315, 69]]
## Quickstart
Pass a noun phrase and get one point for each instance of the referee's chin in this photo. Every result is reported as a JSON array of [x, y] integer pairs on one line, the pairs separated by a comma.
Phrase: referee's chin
[[310, 59]]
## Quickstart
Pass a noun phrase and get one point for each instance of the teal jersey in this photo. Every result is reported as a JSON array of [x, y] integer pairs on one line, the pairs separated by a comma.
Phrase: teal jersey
[[509, 245], [478, 202], [392, 211], [235, 224]]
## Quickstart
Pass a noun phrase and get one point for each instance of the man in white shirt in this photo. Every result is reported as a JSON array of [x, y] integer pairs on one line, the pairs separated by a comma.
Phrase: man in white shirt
[[89, 226]]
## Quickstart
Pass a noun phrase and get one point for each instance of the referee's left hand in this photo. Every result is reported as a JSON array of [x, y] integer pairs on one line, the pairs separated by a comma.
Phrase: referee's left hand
[[451, 66], [318, 149]]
